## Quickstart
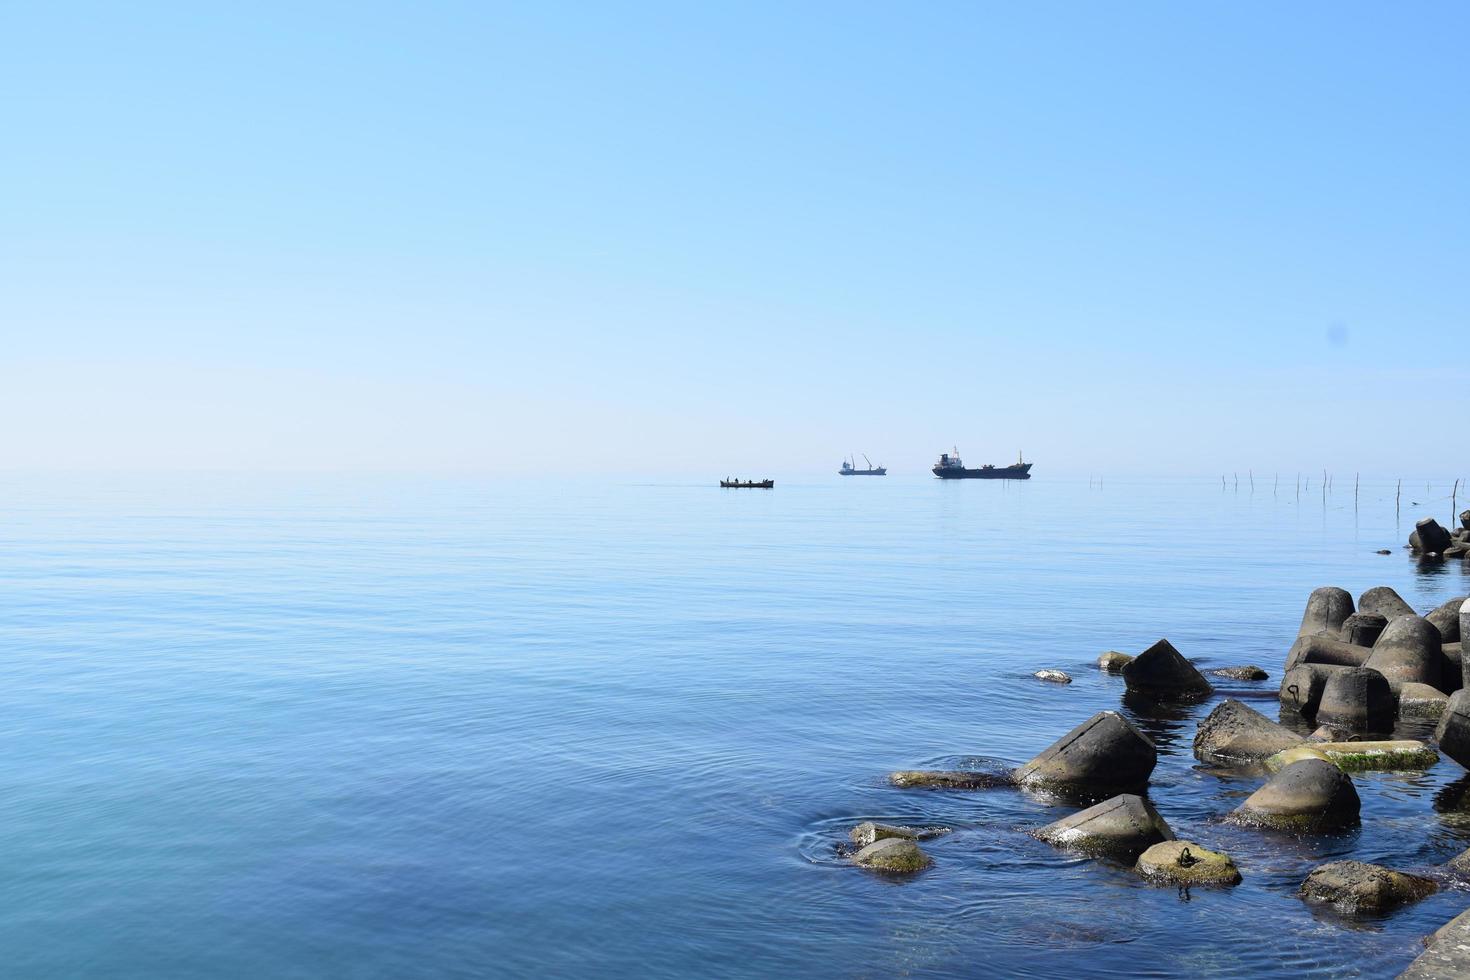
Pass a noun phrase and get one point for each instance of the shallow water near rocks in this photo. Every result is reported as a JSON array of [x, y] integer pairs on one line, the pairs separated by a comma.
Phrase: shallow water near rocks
[[389, 728]]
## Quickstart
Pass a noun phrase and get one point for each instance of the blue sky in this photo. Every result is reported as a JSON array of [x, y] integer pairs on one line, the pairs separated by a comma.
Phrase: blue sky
[[698, 238]]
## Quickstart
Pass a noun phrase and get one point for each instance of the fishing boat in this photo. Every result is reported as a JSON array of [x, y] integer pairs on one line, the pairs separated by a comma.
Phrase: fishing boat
[[748, 484], [849, 468], [950, 467]]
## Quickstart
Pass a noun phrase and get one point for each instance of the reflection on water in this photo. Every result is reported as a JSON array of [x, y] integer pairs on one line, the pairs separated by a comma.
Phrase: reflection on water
[[621, 731]]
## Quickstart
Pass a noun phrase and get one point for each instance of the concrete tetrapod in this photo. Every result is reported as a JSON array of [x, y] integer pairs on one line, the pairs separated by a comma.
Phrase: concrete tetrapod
[[1446, 619], [1113, 661], [1302, 687], [1122, 827], [1448, 954], [1309, 796], [1397, 755], [1327, 607], [1362, 629], [1429, 536], [1453, 733], [1358, 698], [1422, 701], [1385, 602], [1235, 733], [1162, 672], [1104, 753], [1408, 650], [1319, 648]]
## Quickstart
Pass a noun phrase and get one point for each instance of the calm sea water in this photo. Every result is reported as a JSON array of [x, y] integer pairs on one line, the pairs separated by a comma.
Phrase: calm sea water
[[531, 728]]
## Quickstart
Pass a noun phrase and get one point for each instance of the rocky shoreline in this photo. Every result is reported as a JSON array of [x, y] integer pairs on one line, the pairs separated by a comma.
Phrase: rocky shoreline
[[1355, 669]]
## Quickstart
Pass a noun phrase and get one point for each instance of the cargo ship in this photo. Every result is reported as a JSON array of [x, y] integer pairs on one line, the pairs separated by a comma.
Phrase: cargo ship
[[950, 467], [849, 468]]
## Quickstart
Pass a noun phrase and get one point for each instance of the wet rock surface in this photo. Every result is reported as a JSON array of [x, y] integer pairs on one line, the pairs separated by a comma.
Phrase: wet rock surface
[[1422, 701], [1319, 648], [1180, 862], [870, 832], [1446, 619], [1122, 827], [1161, 672], [1308, 796], [947, 779], [1113, 661], [1390, 755], [1250, 672], [1353, 886], [1053, 676], [893, 855], [1236, 733], [1103, 752], [1447, 953]]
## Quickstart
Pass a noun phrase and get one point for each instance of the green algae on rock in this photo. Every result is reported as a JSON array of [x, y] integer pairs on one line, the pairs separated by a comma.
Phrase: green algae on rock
[[1181, 862], [1353, 886], [893, 854], [947, 779], [1360, 756]]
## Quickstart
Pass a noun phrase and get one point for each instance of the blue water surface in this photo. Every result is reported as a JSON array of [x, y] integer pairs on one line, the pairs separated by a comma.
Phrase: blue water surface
[[381, 728]]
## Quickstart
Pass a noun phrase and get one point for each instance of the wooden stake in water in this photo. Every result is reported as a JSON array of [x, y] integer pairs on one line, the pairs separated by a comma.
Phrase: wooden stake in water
[[1252, 475], [1355, 492], [1454, 492], [1399, 492]]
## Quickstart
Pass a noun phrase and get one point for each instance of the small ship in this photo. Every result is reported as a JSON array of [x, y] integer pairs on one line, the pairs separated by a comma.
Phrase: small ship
[[747, 484], [849, 468], [950, 467]]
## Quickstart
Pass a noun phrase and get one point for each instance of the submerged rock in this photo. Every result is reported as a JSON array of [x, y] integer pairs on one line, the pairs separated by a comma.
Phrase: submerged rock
[[1327, 607], [1122, 827], [1358, 698], [1453, 733], [1362, 629], [947, 779], [1422, 701], [1053, 676], [1396, 755], [869, 832], [1235, 732], [1179, 862], [1308, 796], [1352, 886], [1447, 955], [1408, 650], [893, 854], [1460, 863], [1162, 672], [1114, 661], [1250, 672], [1105, 752], [1385, 602]]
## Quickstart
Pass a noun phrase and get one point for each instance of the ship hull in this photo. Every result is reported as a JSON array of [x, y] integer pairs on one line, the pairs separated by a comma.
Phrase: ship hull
[[1021, 472], [880, 471]]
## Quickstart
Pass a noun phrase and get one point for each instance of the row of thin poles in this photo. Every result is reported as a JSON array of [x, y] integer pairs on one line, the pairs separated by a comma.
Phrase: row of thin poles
[[1327, 486]]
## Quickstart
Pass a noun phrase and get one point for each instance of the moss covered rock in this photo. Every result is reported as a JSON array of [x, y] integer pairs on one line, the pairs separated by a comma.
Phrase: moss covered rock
[[1250, 672], [946, 779], [1360, 756], [894, 855], [1180, 862], [1352, 886], [1114, 661], [1310, 795]]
